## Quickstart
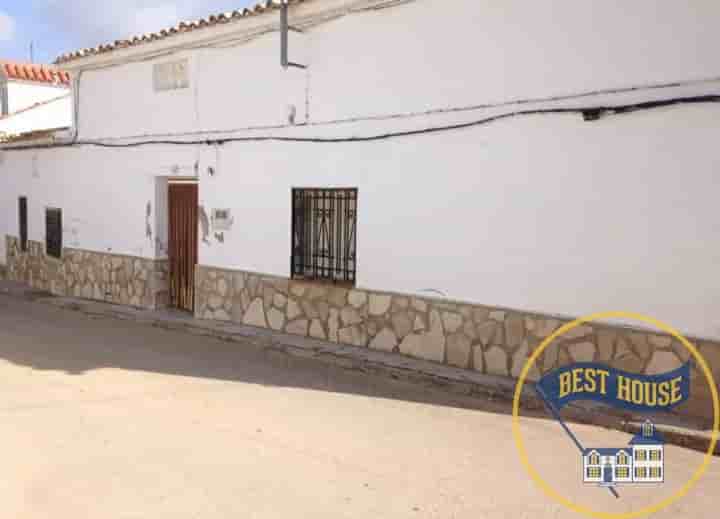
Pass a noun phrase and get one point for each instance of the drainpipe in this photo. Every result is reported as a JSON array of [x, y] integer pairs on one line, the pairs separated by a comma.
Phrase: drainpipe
[[4, 101], [75, 88]]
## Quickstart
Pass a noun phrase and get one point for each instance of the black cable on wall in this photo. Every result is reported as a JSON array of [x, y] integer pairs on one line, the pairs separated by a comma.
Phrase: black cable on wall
[[589, 113]]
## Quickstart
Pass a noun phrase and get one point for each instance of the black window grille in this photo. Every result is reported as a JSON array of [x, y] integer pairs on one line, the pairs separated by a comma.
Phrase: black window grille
[[53, 232], [22, 219], [324, 224]]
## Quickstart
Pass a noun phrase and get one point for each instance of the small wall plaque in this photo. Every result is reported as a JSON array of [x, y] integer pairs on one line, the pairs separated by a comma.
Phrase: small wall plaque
[[221, 219]]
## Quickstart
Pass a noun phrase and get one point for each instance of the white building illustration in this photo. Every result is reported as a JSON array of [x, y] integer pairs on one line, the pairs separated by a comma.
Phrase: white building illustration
[[642, 461]]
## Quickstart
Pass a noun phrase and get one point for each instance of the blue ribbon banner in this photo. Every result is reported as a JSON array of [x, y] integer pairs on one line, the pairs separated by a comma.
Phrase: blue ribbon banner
[[599, 382]]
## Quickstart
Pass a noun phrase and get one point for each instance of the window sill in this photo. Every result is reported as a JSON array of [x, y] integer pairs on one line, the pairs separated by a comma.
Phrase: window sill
[[54, 259], [324, 282]]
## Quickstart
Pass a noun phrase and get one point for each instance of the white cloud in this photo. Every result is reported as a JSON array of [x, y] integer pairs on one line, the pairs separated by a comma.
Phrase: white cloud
[[7, 27]]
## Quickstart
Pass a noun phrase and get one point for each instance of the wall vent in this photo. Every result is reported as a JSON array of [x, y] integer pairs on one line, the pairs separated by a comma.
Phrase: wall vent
[[173, 75]]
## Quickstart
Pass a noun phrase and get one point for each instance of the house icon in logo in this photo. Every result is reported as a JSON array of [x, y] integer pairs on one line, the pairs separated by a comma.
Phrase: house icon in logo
[[642, 461]]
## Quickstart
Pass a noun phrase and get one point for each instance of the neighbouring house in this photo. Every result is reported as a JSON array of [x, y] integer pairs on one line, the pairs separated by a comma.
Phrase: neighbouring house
[[445, 179], [33, 98], [642, 462]]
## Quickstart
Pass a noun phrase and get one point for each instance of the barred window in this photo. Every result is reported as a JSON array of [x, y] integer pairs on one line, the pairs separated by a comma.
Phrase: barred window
[[655, 455], [622, 459], [640, 455], [594, 459], [324, 223], [622, 472], [22, 219], [53, 232], [593, 472], [655, 472], [640, 472]]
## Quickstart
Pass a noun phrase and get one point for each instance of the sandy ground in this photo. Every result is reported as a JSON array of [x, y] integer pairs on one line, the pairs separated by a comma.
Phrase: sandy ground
[[113, 419]]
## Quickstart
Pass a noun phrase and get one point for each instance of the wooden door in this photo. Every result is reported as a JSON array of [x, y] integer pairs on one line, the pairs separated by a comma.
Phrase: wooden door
[[182, 243]]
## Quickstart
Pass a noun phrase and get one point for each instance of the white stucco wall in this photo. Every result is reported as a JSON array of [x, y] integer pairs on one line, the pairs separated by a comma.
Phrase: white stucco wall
[[229, 89], [23, 94], [442, 53], [546, 213], [103, 194], [427, 54], [56, 113]]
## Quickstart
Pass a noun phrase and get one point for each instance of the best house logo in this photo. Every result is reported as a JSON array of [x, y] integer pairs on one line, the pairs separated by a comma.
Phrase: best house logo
[[642, 460]]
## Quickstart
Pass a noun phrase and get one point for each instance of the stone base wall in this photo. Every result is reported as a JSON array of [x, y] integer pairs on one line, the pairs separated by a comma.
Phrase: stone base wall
[[488, 340], [112, 278], [485, 339]]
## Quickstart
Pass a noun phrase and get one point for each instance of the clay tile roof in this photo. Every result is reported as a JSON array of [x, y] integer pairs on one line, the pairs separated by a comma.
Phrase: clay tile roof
[[34, 72], [181, 27]]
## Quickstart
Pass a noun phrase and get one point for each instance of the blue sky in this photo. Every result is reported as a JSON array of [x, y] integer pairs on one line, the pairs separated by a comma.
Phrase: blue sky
[[57, 26]]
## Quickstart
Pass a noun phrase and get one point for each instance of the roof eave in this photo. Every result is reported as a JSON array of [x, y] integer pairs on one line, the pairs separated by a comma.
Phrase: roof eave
[[34, 138], [198, 31], [36, 82]]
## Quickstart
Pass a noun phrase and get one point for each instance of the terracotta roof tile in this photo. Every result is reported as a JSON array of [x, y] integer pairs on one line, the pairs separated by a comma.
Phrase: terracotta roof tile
[[181, 27], [34, 72]]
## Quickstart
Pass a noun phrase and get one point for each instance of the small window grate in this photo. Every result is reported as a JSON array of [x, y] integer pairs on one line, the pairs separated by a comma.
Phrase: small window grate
[[22, 219], [53, 232], [324, 223]]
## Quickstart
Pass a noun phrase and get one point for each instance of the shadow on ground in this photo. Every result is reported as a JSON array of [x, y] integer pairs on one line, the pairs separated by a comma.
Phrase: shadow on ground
[[46, 337]]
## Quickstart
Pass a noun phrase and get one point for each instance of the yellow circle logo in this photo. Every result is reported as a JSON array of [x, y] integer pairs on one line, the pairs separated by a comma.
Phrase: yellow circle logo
[[576, 507]]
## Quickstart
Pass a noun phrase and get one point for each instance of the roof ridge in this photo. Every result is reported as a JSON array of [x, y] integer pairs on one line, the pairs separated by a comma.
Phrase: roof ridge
[[17, 62], [37, 72], [180, 27]]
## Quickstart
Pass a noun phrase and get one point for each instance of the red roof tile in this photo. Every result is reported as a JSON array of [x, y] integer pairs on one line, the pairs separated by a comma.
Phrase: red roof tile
[[34, 72]]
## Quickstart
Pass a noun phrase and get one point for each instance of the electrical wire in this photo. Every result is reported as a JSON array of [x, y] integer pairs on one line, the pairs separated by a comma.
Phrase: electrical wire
[[310, 22], [589, 113], [423, 113]]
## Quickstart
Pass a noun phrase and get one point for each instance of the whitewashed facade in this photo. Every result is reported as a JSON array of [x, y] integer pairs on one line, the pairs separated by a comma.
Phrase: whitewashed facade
[[545, 213]]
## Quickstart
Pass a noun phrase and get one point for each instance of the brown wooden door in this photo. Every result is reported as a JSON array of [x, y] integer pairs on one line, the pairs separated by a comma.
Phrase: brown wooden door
[[182, 244]]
